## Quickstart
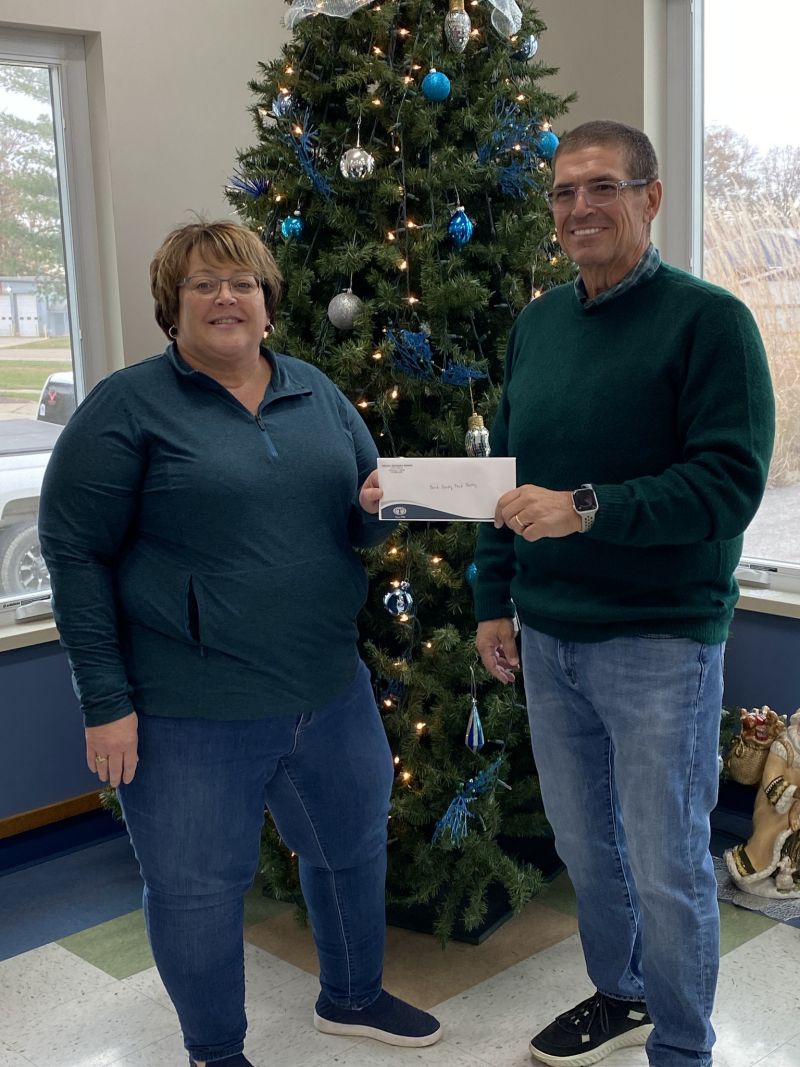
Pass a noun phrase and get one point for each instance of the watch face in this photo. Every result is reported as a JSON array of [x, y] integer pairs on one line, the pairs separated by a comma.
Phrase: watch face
[[584, 500]]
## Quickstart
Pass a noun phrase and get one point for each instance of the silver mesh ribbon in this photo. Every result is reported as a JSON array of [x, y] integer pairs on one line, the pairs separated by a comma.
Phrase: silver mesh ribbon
[[337, 9], [506, 17]]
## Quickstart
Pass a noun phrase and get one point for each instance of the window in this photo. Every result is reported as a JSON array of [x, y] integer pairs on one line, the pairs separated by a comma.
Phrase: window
[[48, 283], [734, 150]]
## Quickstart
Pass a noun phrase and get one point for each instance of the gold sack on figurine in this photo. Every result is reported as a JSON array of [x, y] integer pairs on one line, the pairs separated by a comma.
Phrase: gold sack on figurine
[[749, 748]]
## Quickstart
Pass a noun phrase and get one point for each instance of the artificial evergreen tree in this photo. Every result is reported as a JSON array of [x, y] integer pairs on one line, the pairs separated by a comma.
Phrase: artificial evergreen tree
[[398, 181]]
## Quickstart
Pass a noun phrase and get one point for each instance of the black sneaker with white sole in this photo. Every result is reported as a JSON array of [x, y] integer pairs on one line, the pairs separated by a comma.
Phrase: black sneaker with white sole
[[591, 1031], [387, 1019]]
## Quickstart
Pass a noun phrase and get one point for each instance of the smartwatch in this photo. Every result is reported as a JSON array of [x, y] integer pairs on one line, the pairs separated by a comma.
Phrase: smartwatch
[[584, 504]]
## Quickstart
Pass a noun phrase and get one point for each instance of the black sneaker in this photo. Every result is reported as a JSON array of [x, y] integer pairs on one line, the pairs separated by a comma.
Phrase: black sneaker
[[387, 1019], [591, 1031]]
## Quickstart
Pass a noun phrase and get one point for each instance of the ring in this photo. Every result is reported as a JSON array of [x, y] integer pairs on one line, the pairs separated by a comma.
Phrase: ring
[[521, 524], [101, 759]]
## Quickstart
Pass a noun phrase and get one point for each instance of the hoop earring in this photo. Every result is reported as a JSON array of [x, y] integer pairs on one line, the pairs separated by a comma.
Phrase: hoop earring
[[269, 330], [170, 332]]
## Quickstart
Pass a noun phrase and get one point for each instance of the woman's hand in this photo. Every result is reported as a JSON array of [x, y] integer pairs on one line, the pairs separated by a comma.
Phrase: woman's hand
[[112, 750], [370, 494]]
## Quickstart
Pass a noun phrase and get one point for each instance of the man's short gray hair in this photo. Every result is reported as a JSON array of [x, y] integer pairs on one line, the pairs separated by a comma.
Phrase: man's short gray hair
[[639, 151]]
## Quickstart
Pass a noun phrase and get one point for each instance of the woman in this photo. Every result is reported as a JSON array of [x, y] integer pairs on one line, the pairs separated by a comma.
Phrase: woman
[[197, 519]]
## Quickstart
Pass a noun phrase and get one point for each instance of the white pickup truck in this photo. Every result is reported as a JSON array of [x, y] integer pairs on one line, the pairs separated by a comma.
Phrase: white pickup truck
[[25, 447]]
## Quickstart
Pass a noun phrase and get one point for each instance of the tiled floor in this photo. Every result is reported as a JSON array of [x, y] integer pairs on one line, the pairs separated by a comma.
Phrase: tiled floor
[[94, 999]]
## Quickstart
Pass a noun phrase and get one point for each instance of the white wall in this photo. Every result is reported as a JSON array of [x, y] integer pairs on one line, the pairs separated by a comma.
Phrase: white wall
[[169, 97]]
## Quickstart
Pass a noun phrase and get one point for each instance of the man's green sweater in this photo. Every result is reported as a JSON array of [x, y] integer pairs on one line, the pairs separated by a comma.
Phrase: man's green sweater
[[661, 399]]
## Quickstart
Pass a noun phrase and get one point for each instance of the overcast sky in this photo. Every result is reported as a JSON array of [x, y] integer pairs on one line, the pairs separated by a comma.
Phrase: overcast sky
[[752, 52]]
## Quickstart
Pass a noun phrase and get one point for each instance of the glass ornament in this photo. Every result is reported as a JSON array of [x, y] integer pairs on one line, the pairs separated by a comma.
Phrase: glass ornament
[[292, 226], [343, 309], [528, 48], [476, 442], [546, 144], [399, 601], [435, 86], [460, 227], [357, 164], [457, 25]]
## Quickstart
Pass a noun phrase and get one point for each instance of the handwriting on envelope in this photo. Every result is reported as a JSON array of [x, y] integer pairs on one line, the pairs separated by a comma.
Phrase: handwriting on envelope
[[453, 489]]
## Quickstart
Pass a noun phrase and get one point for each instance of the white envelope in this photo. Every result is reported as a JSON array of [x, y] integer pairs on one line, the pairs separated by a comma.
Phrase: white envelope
[[462, 489]]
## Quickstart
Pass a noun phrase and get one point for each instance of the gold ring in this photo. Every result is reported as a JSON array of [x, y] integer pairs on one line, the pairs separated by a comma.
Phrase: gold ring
[[101, 759], [520, 523]]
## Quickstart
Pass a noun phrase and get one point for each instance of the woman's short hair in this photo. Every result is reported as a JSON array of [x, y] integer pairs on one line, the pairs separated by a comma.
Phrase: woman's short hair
[[639, 152], [223, 241]]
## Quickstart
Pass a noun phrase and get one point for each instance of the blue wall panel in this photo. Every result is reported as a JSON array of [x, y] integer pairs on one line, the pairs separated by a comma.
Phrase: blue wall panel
[[762, 662], [42, 758]]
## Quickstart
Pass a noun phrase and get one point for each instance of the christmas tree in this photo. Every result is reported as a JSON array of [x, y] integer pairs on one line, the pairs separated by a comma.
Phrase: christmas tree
[[402, 153]]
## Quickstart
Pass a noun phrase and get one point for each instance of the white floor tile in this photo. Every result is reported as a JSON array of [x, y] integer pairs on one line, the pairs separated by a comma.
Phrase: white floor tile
[[787, 1055], [94, 1031], [373, 1054], [168, 1052], [758, 1007], [36, 982], [11, 1059]]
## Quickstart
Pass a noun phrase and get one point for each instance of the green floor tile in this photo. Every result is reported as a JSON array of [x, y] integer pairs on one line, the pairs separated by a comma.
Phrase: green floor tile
[[258, 907], [738, 925], [118, 947], [559, 895]]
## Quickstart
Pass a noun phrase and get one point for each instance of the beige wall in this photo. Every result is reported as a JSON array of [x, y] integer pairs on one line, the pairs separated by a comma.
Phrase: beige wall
[[169, 97]]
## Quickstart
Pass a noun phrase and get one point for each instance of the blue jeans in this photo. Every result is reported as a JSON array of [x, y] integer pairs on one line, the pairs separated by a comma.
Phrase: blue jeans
[[194, 812], [625, 737]]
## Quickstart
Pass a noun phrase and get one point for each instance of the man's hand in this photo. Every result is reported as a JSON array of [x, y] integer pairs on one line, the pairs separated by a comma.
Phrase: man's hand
[[533, 512], [497, 647], [370, 494], [112, 750]]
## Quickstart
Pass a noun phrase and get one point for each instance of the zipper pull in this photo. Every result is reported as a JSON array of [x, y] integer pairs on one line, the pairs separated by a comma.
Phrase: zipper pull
[[260, 423]]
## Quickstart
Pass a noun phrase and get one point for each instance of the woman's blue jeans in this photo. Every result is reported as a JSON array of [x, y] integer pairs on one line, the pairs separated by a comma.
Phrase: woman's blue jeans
[[625, 738], [194, 812]]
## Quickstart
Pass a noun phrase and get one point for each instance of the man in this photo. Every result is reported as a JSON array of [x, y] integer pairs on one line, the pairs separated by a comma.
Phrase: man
[[638, 404]]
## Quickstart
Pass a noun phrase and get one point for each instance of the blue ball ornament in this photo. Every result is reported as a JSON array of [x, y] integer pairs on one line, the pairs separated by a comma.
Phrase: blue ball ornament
[[435, 86], [399, 601], [460, 227], [546, 144], [292, 227], [527, 49], [471, 573]]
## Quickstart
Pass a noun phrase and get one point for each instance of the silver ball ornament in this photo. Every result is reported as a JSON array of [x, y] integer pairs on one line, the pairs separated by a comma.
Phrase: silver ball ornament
[[343, 310], [283, 105], [528, 48], [357, 164], [399, 601]]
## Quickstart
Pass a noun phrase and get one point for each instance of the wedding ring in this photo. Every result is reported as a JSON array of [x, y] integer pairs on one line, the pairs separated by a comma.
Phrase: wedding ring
[[520, 523], [101, 759]]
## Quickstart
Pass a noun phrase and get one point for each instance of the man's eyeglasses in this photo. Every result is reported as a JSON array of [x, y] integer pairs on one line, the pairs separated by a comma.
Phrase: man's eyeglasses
[[208, 285], [596, 194]]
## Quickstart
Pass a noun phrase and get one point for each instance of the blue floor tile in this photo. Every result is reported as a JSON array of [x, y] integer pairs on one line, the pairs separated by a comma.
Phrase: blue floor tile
[[51, 900]]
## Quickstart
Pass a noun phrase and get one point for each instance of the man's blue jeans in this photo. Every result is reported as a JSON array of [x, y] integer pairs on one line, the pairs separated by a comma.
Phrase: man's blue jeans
[[625, 738], [194, 812]]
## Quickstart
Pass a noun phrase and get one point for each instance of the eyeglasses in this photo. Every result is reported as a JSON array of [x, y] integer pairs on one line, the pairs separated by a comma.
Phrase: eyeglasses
[[596, 194], [209, 286]]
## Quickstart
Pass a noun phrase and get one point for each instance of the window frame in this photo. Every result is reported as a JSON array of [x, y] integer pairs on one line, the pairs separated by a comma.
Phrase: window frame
[[64, 56], [683, 210]]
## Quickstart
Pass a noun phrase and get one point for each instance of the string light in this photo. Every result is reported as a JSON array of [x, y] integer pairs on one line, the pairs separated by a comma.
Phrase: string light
[[416, 66], [475, 33], [363, 404], [278, 197], [521, 97], [407, 80], [537, 293], [436, 559], [297, 129], [429, 644], [377, 355], [406, 776], [403, 32], [394, 393], [391, 236], [378, 51], [377, 102], [412, 300], [288, 70], [411, 225], [403, 264], [387, 702], [395, 584], [546, 126], [396, 760], [403, 617], [421, 726], [393, 550], [553, 261]]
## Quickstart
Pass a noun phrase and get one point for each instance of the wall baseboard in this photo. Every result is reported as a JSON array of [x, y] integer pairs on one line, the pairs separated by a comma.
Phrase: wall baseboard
[[64, 809]]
